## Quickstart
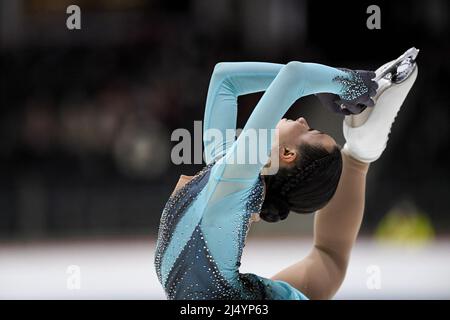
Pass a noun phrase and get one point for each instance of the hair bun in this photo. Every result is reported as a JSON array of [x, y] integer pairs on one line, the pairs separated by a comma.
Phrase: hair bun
[[274, 210]]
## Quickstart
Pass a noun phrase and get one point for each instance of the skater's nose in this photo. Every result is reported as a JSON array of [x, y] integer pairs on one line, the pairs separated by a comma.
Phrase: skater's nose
[[303, 122]]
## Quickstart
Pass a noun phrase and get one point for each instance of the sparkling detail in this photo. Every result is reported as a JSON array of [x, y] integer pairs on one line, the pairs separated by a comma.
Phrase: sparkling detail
[[195, 274], [172, 213], [353, 85]]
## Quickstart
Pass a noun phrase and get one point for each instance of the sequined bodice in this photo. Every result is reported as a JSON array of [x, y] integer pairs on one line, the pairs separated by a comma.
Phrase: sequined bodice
[[195, 272]]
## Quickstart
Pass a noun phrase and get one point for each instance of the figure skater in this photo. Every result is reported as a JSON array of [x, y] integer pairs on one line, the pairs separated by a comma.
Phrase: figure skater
[[204, 224]]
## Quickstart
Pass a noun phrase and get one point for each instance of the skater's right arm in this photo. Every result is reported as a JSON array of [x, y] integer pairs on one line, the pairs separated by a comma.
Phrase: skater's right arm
[[336, 227]]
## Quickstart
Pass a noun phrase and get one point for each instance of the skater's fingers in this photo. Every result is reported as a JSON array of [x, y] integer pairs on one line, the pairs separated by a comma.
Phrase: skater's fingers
[[346, 112], [371, 75], [372, 91], [370, 103], [341, 104], [373, 85], [354, 108], [335, 108], [328, 100], [348, 108], [367, 75]]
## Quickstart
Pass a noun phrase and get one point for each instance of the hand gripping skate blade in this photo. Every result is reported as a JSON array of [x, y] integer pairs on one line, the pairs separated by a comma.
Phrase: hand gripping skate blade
[[390, 69], [393, 72]]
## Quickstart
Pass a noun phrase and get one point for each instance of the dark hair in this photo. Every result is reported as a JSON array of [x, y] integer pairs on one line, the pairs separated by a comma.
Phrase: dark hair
[[305, 187]]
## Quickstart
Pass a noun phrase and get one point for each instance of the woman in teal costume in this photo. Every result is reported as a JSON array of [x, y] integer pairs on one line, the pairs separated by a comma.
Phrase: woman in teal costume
[[205, 221]]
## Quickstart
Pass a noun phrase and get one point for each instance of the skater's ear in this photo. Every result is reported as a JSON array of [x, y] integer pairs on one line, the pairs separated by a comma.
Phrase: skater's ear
[[288, 155]]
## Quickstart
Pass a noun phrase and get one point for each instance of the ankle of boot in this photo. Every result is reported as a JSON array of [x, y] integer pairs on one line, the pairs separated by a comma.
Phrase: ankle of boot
[[346, 150]]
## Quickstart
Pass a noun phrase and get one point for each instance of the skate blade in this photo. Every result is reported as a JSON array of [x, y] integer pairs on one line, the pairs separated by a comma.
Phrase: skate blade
[[399, 69], [392, 73]]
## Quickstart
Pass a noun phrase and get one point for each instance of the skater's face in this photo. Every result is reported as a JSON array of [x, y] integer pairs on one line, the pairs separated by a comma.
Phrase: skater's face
[[294, 133]]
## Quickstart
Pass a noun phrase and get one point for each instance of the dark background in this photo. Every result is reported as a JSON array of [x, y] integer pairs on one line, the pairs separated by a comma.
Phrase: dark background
[[86, 115]]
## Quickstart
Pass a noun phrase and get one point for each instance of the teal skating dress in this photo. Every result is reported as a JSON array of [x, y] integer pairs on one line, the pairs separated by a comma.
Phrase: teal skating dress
[[204, 224]]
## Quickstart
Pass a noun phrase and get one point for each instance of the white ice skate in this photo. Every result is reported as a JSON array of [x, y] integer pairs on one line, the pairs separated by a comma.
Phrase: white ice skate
[[367, 133]]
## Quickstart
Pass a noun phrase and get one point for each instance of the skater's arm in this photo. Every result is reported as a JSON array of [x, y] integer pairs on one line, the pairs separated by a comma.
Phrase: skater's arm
[[229, 80], [295, 80], [336, 227]]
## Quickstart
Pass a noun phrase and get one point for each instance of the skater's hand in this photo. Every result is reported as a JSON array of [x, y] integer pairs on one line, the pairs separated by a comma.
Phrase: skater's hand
[[332, 102], [358, 88]]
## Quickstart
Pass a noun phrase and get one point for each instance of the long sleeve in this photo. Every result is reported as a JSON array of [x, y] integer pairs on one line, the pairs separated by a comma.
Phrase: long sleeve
[[291, 82], [232, 79], [228, 81]]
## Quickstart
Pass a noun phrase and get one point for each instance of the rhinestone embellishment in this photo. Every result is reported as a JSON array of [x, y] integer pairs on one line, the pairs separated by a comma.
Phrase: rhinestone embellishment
[[352, 86]]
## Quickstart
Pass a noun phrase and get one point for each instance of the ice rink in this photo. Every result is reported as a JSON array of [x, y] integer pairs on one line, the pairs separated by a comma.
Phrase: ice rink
[[123, 269]]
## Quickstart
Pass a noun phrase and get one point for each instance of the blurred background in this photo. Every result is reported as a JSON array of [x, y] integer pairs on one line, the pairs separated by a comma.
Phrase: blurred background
[[85, 137]]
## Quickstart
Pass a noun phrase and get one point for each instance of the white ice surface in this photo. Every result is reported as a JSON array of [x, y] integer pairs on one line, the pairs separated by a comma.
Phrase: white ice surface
[[124, 269]]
